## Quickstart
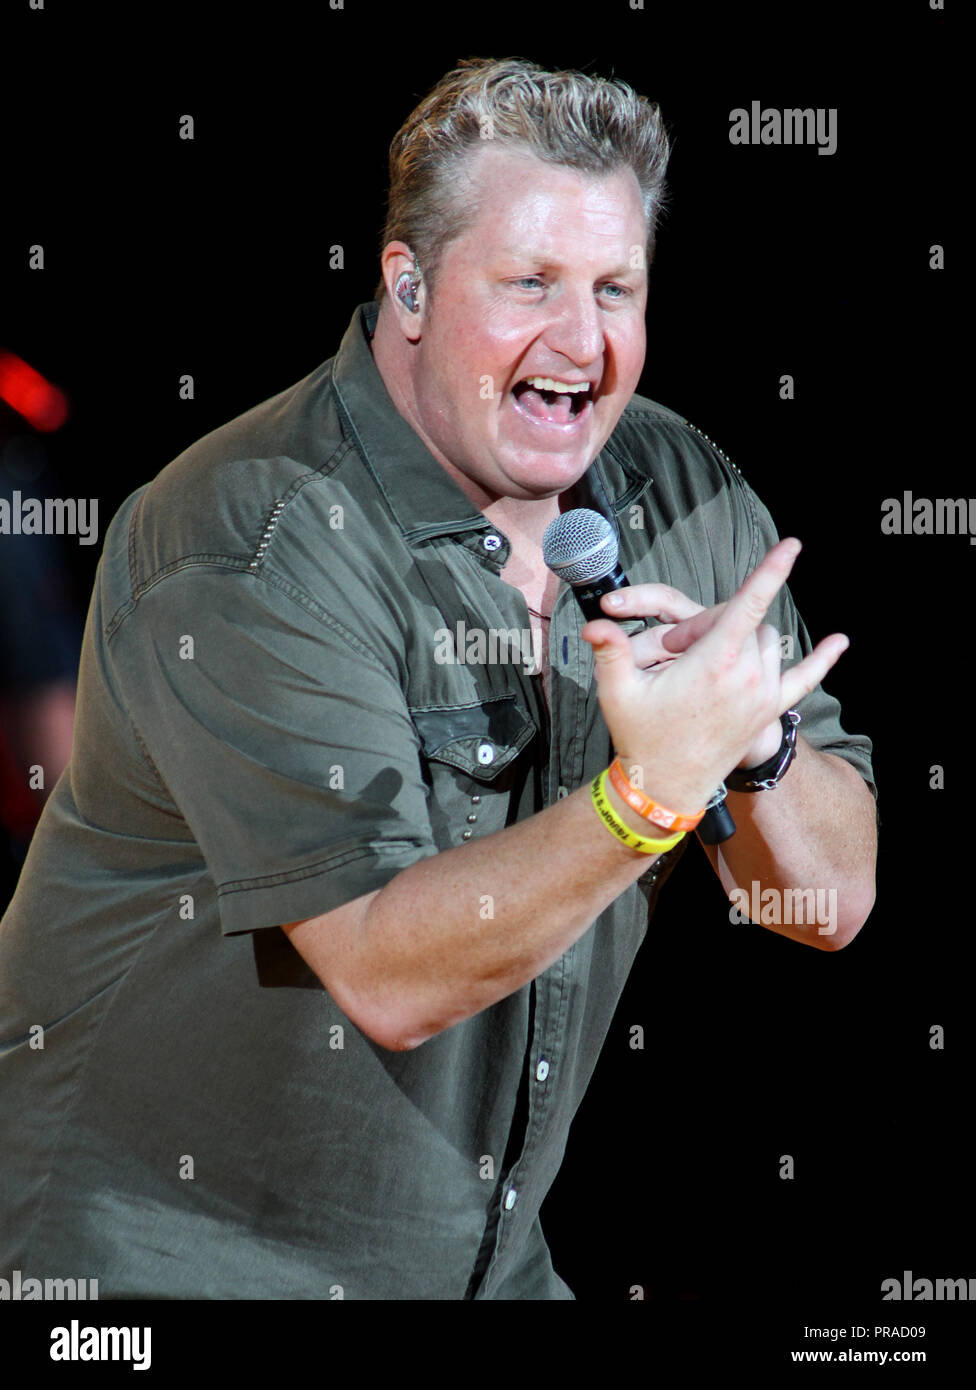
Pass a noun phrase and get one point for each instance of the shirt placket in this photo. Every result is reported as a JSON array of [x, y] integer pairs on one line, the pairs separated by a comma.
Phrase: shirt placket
[[547, 1053]]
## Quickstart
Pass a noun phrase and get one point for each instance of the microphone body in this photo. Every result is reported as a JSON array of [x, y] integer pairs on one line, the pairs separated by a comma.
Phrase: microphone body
[[581, 547], [716, 824], [589, 593]]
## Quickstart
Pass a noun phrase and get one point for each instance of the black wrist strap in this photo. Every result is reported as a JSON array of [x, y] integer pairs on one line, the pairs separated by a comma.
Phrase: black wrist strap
[[768, 774]]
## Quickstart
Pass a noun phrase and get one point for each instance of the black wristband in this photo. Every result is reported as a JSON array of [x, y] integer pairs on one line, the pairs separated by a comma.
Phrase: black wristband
[[770, 773]]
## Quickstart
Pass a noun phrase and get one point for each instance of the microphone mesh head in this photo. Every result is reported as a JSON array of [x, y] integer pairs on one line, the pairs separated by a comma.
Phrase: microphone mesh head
[[580, 546]]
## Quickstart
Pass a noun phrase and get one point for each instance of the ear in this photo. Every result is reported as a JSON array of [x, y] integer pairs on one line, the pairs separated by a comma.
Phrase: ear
[[398, 259]]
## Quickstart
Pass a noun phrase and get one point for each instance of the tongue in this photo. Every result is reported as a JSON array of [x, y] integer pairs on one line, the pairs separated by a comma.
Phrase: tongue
[[535, 403]]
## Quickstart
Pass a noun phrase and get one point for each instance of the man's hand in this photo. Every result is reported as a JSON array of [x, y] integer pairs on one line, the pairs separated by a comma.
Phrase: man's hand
[[687, 723]]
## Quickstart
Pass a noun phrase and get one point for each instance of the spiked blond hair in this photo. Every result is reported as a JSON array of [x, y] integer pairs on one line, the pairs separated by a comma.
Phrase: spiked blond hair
[[593, 124]]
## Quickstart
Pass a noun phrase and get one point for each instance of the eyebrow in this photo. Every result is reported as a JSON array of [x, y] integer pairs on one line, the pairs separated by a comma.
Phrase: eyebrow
[[548, 262]]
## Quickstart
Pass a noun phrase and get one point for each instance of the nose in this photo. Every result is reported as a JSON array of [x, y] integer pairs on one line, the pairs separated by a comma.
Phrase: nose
[[576, 330]]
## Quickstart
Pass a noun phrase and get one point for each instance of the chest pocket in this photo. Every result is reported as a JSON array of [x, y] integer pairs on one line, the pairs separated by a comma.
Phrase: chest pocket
[[474, 766]]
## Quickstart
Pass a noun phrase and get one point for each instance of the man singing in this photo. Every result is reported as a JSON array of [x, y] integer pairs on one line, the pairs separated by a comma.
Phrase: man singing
[[321, 933]]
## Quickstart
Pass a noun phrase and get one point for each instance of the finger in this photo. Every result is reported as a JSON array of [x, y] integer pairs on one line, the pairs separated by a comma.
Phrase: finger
[[770, 655], [747, 607], [808, 673], [611, 646], [650, 601], [681, 635], [648, 646], [770, 649]]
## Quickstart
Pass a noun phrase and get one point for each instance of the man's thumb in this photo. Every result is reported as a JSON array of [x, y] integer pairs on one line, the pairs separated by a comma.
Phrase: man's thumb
[[609, 642]]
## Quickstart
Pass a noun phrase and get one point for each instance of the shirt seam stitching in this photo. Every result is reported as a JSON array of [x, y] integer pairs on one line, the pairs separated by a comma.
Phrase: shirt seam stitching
[[277, 510], [321, 866], [231, 561], [269, 577]]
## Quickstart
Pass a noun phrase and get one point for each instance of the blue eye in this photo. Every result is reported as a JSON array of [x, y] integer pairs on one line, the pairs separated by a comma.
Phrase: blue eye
[[536, 282]]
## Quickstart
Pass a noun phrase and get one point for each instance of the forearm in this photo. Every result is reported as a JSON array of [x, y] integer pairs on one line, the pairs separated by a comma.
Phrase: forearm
[[817, 829], [455, 933]]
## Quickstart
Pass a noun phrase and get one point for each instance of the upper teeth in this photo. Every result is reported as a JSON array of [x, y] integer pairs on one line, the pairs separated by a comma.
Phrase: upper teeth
[[546, 383]]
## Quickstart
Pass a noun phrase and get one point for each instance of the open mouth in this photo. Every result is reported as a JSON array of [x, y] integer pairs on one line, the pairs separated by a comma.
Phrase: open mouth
[[549, 401]]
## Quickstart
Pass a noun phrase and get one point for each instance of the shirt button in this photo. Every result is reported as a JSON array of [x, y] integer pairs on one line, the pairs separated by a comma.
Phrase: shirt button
[[492, 542], [542, 1070], [486, 754], [511, 1197]]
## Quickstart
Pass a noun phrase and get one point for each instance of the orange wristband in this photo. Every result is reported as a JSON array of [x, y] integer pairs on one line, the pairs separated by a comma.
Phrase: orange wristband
[[644, 805]]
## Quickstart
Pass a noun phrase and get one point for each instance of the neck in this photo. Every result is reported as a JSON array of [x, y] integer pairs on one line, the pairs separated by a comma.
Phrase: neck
[[524, 523]]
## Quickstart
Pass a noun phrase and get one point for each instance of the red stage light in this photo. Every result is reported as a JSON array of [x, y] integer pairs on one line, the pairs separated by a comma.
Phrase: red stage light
[[40, 403]]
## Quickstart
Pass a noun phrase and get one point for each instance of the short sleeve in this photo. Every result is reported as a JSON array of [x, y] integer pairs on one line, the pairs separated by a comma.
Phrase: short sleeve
[[282, 737], [819, 712]]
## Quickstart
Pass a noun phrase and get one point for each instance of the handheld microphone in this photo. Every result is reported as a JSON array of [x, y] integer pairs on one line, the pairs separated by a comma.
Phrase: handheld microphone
[[581, 547]]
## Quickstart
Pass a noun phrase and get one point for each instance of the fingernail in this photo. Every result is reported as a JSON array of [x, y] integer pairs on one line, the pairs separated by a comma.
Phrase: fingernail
[[615, 600]]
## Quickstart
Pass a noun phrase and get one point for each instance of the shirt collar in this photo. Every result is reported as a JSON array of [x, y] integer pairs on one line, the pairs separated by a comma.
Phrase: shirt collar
[[424, 500]]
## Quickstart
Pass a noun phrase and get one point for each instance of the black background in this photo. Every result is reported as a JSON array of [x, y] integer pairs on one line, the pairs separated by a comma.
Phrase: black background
[[211, 257]]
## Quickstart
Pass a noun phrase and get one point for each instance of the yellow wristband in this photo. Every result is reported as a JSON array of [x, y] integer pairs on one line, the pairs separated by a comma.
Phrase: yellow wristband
[[608, 816]]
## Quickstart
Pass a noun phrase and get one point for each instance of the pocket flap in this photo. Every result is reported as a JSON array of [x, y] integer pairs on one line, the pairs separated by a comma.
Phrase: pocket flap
[[479, 739]]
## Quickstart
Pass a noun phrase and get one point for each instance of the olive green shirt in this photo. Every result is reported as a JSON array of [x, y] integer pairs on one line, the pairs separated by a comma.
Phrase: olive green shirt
[[267, 727]]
